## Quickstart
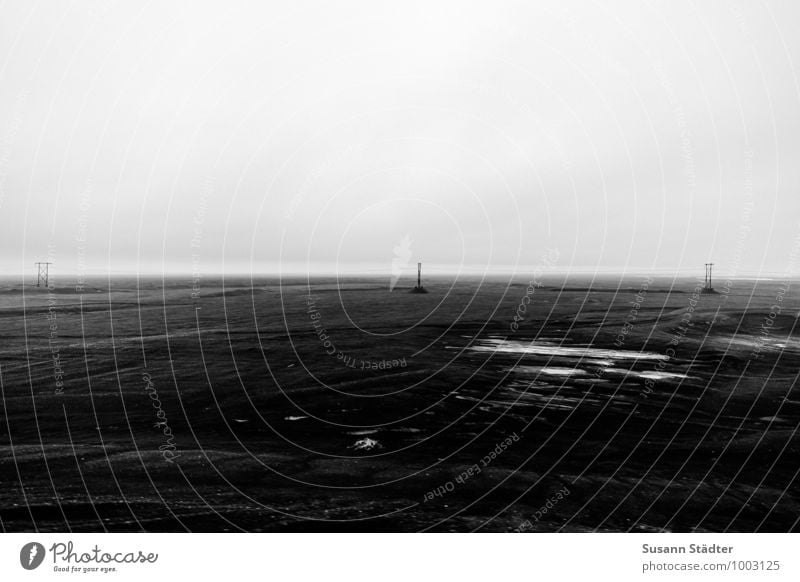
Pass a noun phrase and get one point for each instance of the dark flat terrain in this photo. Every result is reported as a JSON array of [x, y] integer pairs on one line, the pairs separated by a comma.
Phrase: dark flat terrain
[[675, 428]]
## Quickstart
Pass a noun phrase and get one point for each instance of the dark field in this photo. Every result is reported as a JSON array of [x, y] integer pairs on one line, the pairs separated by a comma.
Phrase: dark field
[[680, 426]]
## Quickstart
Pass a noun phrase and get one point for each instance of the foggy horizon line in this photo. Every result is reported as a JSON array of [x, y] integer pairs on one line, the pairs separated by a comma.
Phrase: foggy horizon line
[[437, 273]]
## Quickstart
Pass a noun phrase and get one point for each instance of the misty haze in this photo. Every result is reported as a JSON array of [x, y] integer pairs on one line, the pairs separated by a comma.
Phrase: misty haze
[[372, 266]]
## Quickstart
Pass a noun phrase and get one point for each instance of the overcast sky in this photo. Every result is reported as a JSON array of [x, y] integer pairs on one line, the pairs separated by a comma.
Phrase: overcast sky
[[171, 137]]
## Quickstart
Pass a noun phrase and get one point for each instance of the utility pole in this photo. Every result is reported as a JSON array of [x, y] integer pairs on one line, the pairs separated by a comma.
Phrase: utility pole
[[42, 273], [419, 288], [708, 287]]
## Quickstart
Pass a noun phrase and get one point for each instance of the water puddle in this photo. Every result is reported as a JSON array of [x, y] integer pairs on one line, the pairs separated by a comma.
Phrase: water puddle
[[544, 348]]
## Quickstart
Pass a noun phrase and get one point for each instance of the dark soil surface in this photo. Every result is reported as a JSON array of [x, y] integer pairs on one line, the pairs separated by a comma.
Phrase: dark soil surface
[[341, 406]]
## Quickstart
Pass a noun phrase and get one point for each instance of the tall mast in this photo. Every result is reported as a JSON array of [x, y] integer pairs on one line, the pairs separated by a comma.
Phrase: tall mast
[[707, 288], [43, 273]]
